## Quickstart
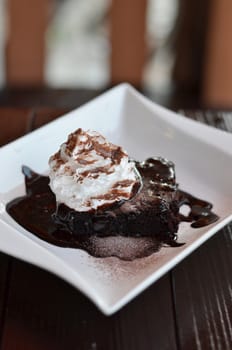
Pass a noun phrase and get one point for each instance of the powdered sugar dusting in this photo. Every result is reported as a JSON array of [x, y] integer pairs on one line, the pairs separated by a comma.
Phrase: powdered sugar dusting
[[125, 248]]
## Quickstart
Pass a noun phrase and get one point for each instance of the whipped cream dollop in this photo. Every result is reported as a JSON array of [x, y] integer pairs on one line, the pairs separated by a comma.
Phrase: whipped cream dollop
[[89, 172]]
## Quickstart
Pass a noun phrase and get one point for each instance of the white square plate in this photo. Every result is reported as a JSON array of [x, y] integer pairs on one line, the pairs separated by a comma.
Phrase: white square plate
[[203, 159]]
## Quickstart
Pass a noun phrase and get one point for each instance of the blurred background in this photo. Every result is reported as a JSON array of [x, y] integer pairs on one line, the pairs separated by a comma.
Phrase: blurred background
[[176, 52]]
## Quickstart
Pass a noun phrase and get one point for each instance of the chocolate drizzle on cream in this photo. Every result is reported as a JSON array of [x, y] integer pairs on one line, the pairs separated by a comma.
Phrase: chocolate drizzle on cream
[[35, 212], [89, 172]]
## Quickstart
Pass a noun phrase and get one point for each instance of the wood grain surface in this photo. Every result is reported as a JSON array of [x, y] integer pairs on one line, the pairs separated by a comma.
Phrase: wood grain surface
[[202, 286], [189, 308], [54, 315], [5, 274]]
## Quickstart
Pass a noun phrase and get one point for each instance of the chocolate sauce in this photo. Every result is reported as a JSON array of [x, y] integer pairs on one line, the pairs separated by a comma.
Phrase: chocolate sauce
[[200, 213], [36, 210]]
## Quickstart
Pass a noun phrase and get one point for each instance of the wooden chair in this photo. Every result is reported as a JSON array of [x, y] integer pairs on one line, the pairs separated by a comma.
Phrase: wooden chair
[[217, 80], [27, 23], [25, 52]]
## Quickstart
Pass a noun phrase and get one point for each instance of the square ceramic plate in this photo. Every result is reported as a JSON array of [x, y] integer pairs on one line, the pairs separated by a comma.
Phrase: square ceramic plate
[[203, 159]]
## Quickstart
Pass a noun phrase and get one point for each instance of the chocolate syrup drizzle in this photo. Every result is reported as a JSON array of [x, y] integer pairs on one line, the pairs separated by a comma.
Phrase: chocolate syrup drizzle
[[35, 211]]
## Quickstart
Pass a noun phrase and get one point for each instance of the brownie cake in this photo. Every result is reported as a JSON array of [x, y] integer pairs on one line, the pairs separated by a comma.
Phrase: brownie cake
[[152, 211], [101, 191]]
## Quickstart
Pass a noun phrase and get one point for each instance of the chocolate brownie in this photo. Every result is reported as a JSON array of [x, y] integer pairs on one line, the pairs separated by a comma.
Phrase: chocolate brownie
[[152, 211]]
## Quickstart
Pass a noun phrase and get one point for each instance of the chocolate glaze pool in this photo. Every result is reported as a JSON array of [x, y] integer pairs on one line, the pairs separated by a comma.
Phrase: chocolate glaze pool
[[37, 212]]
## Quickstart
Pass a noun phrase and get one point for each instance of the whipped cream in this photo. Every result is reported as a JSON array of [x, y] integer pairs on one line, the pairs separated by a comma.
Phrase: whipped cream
[[89, 172]]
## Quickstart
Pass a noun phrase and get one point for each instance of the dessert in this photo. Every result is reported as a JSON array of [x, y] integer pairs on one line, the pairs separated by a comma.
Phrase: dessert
[[100, 191], [99, 200]]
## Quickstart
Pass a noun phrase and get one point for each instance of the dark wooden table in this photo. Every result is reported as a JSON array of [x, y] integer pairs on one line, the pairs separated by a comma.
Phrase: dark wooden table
[[189, 308]]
